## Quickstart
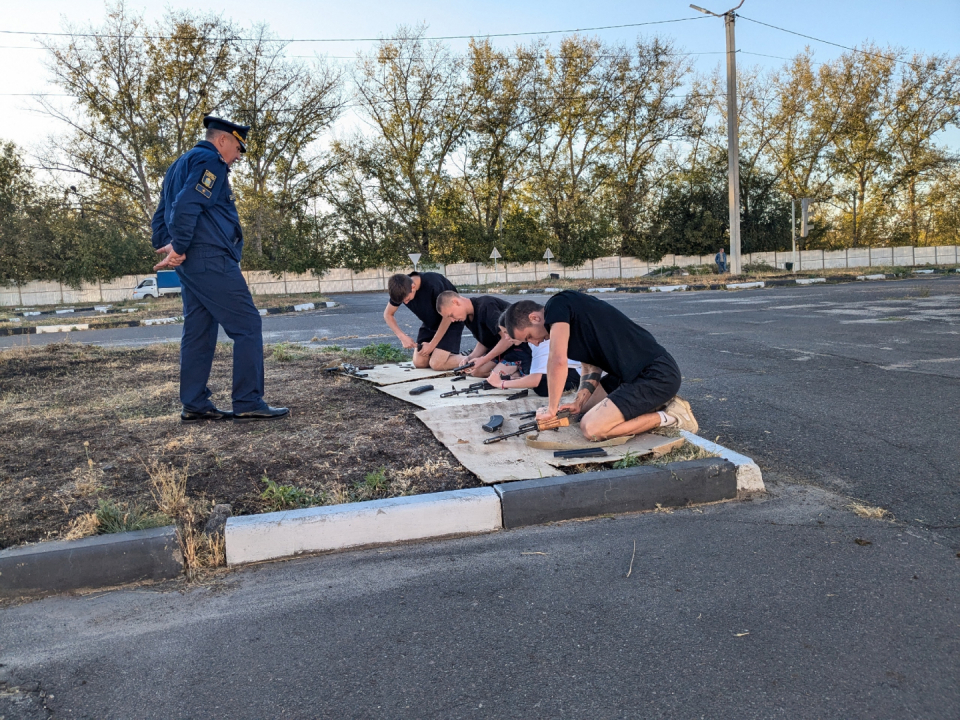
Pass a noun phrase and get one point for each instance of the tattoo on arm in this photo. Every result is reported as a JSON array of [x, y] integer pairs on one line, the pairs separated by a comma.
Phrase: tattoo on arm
[[589, 382]]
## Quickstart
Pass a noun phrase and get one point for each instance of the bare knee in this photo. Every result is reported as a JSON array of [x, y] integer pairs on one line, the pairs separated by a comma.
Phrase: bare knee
[[421, 362], [439, 362], [592, 428]]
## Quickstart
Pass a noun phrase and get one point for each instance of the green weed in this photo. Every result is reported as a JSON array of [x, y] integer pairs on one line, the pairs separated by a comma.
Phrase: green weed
[[631, 459], [376, 481], [113, 517], [383, 351], [287, 497], [283, 352]]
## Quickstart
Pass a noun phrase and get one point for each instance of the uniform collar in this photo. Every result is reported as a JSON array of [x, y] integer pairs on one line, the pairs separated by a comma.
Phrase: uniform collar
[[207, 145]]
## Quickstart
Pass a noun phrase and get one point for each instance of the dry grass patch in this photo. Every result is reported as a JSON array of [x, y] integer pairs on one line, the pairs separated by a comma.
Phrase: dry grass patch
[[869, 512], [80, 424]]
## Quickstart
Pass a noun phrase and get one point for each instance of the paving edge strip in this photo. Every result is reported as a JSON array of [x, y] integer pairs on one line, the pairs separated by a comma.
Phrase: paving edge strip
[[99, 561], [108, 560]]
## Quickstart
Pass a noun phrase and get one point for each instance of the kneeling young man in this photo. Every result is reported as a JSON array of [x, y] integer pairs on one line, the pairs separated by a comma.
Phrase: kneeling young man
[[502, 377], [639, 392], [438, 342], [481, 316]]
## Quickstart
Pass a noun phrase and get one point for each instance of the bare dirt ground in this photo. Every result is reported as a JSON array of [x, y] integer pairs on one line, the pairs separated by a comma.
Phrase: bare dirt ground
[[84, 424]]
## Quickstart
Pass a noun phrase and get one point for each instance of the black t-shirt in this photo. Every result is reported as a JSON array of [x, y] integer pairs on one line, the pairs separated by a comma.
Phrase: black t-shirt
[[483, 324], [601, 335], [424, 303]]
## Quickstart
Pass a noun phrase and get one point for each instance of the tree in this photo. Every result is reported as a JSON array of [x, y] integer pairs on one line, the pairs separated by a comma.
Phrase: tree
[[139, 95], [574, 100], [413, 96], [647, 115], [288, 105]]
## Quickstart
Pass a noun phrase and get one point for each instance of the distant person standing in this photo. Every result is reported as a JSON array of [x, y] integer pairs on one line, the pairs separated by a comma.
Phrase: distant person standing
[[721, 260], [196, 224]]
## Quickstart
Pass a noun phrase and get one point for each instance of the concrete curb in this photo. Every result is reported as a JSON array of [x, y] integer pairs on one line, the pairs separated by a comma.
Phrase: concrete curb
[[41, 329], [749, 477], [253, 538], [645, 487], [108, 560], [99, 561]]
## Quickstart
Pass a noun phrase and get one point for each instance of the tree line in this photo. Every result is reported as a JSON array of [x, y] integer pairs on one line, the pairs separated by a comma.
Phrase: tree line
[[587, 147]]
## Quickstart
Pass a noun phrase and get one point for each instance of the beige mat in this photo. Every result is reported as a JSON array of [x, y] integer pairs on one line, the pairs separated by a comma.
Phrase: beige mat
[[459, 428], [431, 398], [398, 373]]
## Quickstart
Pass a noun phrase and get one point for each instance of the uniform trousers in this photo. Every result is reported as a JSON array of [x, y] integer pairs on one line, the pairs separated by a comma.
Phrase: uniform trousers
[[216, 294]]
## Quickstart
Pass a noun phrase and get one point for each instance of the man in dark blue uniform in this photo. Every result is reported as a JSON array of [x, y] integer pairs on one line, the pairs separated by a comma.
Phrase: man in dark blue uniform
[[197, 226]]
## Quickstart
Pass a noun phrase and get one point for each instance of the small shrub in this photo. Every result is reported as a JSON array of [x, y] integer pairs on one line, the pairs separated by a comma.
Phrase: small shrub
[[376, 481], [286, 497], [631, 459], [383, 351], [752, 268], [113, 517], [283, 352]]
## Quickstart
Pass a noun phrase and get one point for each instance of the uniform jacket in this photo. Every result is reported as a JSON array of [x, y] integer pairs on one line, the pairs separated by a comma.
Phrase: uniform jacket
[[197, 205]]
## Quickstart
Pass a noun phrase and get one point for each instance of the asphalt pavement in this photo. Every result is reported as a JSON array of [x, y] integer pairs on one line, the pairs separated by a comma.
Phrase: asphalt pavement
[[788, 606]]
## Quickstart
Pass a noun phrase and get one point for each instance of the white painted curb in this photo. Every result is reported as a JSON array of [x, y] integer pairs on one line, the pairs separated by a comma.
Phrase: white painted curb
[[743, 286], [331, 304], [923, 272], [252, 538], [667, 288], [871, 277], [60, 328], [64, 311], [810, 281], [749, 477], [304, 306], [262, 311], [163, 321], [601, 290]]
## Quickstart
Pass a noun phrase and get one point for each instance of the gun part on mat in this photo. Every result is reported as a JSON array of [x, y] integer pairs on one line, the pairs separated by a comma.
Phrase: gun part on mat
[[563, 419], [420, 389], [580, 453], [494, 423], [473, 389], [460, 370]]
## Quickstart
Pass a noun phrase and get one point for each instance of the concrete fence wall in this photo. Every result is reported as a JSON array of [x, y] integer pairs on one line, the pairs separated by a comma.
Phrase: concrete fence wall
[[342, 280]]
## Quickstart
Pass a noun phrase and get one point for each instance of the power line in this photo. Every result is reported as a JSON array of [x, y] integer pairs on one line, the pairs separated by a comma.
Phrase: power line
[[369, 39], [828, 42]]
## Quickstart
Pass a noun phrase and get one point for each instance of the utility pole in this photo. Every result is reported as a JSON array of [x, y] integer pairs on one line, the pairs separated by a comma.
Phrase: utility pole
[[733, 134]]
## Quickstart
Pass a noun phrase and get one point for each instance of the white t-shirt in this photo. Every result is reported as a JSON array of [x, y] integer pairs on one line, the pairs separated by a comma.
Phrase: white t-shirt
[[540, 354]]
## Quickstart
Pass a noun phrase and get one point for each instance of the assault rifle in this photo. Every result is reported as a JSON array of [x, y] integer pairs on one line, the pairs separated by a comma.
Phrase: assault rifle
[[475, 388], [563, 419]]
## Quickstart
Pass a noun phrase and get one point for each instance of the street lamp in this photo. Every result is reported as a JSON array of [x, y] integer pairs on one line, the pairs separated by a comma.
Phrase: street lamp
[[733, 134]]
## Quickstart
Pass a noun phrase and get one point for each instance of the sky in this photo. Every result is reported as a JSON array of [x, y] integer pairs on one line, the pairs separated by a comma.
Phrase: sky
[[925, 26]]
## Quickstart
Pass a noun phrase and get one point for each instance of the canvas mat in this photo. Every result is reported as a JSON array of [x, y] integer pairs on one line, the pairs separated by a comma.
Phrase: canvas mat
[[459, 428], [399, 373], [431, 398]]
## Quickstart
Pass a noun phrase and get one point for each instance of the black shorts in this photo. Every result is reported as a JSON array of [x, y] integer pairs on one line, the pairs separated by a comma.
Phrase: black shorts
[[657, 383], [450, 340], [573, 382]]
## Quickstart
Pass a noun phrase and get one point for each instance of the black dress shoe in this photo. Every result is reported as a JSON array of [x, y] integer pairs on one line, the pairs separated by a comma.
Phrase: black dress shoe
[[264, 413], [215, 414]]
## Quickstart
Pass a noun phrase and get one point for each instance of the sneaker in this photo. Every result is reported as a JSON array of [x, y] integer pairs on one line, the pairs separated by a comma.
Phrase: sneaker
[[681, 410]]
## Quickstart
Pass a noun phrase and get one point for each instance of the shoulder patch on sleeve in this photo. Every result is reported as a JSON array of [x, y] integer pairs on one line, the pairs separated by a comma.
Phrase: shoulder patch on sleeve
[[203, 191], [208, 179]]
